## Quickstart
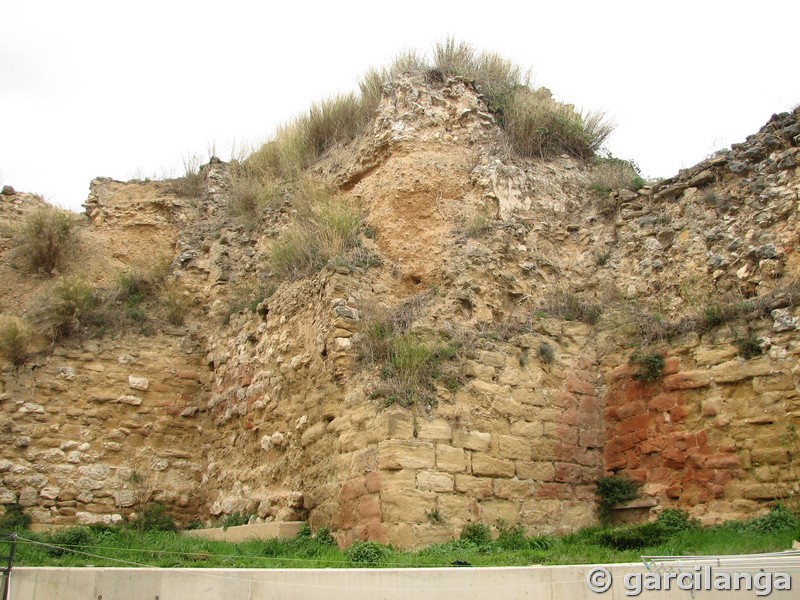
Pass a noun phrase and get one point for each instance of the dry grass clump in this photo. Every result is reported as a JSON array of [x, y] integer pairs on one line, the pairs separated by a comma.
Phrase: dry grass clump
[[410, 361], [492, 75], [192, 183], [569, 307], [176, 304], [67, 305], [609, 173], [44, 240], [250, 195], [633, 320], [478, 223], [325, 228], [540, 127], [14, 337]]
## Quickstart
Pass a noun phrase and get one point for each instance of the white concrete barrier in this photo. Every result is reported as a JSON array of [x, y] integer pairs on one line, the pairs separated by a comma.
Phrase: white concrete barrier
[[460, 583]]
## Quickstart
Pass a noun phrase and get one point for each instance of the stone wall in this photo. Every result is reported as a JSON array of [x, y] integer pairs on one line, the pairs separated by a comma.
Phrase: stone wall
[[712, 434], [95, 430]]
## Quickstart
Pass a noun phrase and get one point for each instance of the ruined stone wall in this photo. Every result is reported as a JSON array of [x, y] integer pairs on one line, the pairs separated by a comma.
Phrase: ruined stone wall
[[712, 435], [96, 430]]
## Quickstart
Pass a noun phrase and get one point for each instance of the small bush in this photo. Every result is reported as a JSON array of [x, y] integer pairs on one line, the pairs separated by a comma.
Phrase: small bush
[[45, 240], [512, 538], [613, 490], [479, 534], [14, 338], [650, 366], [325, 229], [236, 519], [69, 303], [154, 517], [367, 554], [632, 537], [74, 538], [546, 353], [324, 537], [611, 174], [749, 347], [675, 519], [777, 519], [14, 518]]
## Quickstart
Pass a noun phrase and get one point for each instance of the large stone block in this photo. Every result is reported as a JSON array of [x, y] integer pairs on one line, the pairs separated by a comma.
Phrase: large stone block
[[450, 459], [687, 380], [475, 487], [407, 506], [472, 440], [437, 430], [394, 455], [514, 447], [484, 465], [434, 481], [493, 511], [527, 429], [736, 370], [395, 425], [455, 509], [537, 471], [512, 489]]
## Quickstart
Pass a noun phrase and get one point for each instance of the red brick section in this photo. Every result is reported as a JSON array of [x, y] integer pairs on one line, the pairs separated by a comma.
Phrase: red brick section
[[648, 438], [359, 510], [579, 436]]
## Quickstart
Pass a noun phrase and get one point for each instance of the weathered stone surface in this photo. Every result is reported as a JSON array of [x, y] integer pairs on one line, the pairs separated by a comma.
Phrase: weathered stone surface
[[394, 455], [471, 440], [138, 383], [484, 465], [407, 505], [450, 459], [435, 481]]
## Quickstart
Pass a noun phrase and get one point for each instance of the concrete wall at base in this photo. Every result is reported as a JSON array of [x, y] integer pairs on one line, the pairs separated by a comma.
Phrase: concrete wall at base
[[510, 583]]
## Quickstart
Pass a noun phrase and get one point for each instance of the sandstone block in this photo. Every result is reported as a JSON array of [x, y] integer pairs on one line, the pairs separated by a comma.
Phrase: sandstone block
[[484, 465], [514, 447], [450, 459], [398, 480], [407, 505], [478, 370], [475, 487], [394, 455], [435, 481], [714, 356], [529, 397], [313, 433], [455, 509], [438, 430], [399, 425], [736, 370], [537, 471], [138, 383], [355, 488], [472, 440], [493, 511], [512, 489], [687, 380], [527, 429], [590, 438]]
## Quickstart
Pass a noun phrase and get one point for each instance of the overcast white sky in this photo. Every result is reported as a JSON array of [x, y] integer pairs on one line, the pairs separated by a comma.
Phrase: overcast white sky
[[118, 88]]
